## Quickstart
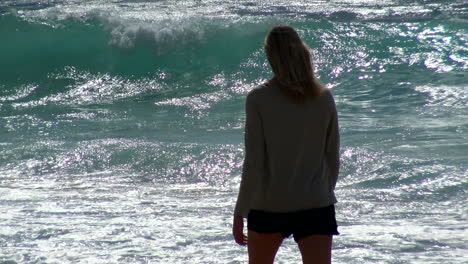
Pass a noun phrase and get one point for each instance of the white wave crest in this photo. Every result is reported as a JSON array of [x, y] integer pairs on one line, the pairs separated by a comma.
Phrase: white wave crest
[[161, 35]]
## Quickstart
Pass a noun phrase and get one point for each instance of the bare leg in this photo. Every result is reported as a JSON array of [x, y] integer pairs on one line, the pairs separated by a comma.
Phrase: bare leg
[[316, 249], [263, 247]]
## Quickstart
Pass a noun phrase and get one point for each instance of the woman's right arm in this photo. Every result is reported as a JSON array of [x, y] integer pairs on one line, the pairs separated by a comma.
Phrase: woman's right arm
[[332, 149]]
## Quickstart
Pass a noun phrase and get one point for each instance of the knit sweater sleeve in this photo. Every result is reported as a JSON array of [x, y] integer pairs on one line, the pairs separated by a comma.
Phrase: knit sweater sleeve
[[252, 169], [332, 149]]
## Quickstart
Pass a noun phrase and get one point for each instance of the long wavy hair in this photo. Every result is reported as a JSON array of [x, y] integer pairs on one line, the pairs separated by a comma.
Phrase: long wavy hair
[[291, 62]]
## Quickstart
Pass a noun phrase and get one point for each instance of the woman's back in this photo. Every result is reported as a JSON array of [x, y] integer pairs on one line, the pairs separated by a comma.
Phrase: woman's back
[[287, 144]]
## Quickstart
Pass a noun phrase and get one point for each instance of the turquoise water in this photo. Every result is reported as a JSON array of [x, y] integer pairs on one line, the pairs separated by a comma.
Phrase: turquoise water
[[121, 126]]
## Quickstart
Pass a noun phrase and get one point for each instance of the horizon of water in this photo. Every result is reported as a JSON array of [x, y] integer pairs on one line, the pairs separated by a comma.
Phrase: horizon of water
[[121, 126]]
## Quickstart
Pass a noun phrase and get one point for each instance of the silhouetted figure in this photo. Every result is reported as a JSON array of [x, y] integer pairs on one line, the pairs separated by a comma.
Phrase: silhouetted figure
[[291, 160]]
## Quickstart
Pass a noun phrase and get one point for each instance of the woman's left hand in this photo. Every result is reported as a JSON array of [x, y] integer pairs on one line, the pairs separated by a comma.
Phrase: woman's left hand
[[238, 230]]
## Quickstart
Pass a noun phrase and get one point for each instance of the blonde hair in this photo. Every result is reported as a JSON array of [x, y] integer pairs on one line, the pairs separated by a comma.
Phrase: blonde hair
[[290, 60]]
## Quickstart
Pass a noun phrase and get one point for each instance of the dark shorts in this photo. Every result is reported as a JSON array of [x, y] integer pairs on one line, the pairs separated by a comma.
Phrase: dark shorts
[[300, 224]]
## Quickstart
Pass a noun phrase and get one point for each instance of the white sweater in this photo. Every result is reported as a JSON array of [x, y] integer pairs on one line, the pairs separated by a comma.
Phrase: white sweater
[[291, 153]]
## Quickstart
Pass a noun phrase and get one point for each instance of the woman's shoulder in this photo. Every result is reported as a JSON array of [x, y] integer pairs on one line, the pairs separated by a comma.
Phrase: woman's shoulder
[[261, 88], [327, 95], [259, 91], [265, 92]]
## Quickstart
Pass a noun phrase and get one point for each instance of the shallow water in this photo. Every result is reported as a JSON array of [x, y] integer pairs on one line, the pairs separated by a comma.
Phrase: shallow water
[[121, 127]]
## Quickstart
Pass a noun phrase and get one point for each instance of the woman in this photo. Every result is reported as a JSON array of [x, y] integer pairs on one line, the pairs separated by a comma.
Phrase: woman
[[291, 158]]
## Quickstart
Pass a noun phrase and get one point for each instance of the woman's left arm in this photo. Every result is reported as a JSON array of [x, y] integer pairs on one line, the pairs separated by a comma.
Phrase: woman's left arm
[[252, 168]]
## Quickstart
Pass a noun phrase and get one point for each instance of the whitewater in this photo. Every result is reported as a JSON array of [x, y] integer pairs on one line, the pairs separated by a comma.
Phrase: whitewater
[[121, 126]]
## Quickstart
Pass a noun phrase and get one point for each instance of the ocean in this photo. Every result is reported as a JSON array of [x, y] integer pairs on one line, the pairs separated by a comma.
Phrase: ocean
[[121, 126]]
